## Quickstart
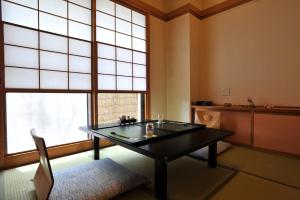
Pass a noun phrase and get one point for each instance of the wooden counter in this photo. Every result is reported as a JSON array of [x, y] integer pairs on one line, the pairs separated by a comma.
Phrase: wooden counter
[[276, 129], [244, 108]]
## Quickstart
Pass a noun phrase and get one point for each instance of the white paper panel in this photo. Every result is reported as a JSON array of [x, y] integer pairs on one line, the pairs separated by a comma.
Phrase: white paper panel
[[78, 47], [139, 45], [54, 61], [139, 70], [53, 42], [29, 3], [84, 3], [20, 36], [124, 83], [19, 15], [123, 40], [106, 66], [123, 26], [80, 14], [79, 81], [21, 78], [106, 82], [106, 6], [53, 24], [139, 58], [139, 84], [20, 57], [123, 12], [78, 30], [105, 21], [105, 36], [106, 51], [57, 7], [138, 18], [80, 64], [124, 55], [54, 80], [138, 31], [124, 69]]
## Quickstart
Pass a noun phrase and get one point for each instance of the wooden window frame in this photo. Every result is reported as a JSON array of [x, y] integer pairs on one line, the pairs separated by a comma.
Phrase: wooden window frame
[[22, 158]]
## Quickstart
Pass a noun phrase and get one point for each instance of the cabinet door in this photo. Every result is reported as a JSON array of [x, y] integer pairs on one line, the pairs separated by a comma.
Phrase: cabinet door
[[240, 123], [277, 132]]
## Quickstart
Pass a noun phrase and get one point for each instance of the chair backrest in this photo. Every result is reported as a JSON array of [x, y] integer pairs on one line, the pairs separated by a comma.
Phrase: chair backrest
[[43, 179]]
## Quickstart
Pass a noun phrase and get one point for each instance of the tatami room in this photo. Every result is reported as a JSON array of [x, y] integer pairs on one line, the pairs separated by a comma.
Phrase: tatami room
[[150, 99]]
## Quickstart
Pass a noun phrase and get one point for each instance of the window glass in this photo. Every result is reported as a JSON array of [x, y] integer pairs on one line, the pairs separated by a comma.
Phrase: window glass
[[56, 117], [121, 30], [113, 105]]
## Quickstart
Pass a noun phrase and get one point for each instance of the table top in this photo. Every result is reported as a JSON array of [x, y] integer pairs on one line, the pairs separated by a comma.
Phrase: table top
[[173, 140], [135, 134]]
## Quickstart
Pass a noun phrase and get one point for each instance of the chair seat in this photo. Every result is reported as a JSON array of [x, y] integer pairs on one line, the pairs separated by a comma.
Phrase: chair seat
[[102, 179]]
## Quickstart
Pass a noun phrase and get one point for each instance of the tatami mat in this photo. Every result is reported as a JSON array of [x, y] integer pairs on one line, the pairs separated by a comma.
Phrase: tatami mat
[[278, 168], [261, 176], [188, 178], [247, 187]]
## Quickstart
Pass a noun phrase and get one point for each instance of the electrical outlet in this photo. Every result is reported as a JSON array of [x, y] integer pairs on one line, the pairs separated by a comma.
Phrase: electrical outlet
[[226, 92]]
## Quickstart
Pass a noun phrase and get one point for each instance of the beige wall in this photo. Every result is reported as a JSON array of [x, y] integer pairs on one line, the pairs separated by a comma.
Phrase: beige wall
[[253, 49], [195, 58], [157, 67], [178, 68]]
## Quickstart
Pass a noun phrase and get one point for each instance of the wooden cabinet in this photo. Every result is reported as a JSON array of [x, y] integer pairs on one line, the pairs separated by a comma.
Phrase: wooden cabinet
[[272, 129], [240, 123], [277, 132]]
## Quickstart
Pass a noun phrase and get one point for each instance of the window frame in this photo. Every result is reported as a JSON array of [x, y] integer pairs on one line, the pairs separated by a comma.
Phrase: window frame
[[22, 158]]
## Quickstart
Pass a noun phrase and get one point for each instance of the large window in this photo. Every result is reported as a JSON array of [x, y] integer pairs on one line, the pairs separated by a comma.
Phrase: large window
[[54, 54], [56, 117], [47, 44], [121, 36]]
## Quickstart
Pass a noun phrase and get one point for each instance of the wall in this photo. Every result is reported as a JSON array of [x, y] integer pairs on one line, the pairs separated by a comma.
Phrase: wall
[[178, 68], [253, 49], [157, 67], [195, 58]]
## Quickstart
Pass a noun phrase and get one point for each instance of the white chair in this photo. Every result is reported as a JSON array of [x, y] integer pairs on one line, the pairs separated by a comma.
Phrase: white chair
[[102, 179]]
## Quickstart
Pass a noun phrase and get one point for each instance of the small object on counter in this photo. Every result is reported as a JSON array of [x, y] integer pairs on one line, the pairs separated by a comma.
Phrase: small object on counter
[[227, 104], [127, 120], [149, 130], [251, 102], [268, 106], [203, 103]]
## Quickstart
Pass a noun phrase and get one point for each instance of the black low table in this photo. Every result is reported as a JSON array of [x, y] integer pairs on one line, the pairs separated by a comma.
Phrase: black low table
[[172, 140]]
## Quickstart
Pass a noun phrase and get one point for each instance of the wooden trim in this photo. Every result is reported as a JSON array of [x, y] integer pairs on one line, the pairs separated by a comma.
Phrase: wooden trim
[[188, 8], [226, 5], [259, 109], [30, 157], [143, 7], [94, 94], [2, 97], [148, 93]]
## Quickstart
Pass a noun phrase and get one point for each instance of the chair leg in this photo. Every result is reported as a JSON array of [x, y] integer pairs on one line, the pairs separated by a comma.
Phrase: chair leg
[[96, 148]]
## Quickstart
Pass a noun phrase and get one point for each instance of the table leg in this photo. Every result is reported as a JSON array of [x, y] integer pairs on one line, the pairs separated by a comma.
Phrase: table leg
[[160, 179], [212, 155], [96, 147]]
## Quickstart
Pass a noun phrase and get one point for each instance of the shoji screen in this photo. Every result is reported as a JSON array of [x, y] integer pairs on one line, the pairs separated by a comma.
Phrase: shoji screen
[[47, 44], [121, 37]]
